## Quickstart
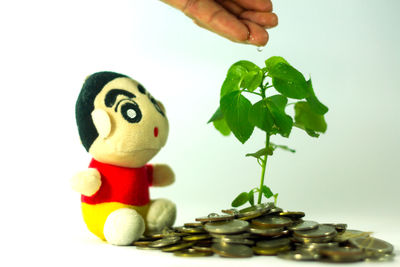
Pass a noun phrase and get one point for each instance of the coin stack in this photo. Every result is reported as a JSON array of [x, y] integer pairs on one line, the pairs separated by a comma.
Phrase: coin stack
[[268, 230]]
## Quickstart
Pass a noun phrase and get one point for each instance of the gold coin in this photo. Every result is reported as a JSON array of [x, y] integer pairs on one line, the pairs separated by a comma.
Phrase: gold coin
[[166, 241], [346, 235], [292, 214], [273, 243], [192, 253], [142, 243], [179, 246], [193, 224], [373, 247], [299, 255], [343, 254], [213, 217], [196, 237], [232, 250], [202, 248], [270, 251]]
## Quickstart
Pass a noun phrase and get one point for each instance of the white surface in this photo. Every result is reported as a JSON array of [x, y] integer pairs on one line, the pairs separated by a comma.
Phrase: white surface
[[349, 175]]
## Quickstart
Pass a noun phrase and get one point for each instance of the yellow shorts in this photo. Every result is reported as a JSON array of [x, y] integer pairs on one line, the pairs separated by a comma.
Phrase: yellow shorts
[[96, 215]]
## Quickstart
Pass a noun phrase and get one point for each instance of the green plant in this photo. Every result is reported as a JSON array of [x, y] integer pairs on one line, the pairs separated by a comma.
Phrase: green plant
[[238, 115]]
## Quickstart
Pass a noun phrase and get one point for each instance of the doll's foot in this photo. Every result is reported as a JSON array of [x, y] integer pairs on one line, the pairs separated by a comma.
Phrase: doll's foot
[[123, 227], [162, 213]]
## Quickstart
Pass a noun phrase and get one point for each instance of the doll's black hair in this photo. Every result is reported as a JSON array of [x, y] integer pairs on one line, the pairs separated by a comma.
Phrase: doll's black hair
[[85, 105]]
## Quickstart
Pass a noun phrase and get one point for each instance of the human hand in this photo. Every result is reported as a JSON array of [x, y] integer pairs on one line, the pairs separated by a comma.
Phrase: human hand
[[243, 21]]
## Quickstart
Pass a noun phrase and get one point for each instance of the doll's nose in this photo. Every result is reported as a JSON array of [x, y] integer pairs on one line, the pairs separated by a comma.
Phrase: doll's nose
[[155, 131]]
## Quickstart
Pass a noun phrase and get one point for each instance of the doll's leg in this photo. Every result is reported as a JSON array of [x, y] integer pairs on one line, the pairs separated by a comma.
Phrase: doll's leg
[[123, 227], [162, 213]]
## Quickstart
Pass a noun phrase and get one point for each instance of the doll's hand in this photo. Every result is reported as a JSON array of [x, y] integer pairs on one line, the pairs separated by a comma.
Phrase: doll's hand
[[242, 21], [86, 182], [162, 175]]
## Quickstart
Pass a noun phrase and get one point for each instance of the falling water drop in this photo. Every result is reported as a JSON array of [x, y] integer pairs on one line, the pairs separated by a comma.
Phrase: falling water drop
[[260, 48]]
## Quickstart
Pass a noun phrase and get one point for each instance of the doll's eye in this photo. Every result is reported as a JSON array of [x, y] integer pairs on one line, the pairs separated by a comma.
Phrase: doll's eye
[[131, 112]]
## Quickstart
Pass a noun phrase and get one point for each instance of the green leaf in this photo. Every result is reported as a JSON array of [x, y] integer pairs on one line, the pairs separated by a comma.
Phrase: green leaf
[[272, 61], [283, 147], [253, 76], [315, 104], [276, 104], [241, 199], [279, 100], [222, 127], [235, 108], [251, 197], [266, 191], [217, 116], [308, 120], [252, 80], [261, 117], [257, 154], [288, 81], [234, 77]]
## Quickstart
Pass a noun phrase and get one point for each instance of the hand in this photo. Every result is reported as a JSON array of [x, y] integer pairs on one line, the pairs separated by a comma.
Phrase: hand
[[86, 182], [243, 21], [162, 175]]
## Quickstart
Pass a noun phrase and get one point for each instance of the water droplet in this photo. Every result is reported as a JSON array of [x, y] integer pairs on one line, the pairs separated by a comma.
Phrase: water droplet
[[260, 48]]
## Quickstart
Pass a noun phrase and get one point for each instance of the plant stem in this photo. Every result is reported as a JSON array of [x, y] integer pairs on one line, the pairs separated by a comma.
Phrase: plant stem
[[263, 168]]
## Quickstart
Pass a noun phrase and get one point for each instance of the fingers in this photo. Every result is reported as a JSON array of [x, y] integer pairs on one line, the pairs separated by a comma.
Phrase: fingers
[[257, 35], [264, 19], [212, 16], [231, 7], [256, 5]]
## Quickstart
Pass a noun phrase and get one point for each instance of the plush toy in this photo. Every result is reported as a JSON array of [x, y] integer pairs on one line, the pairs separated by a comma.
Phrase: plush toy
[[122, 126]]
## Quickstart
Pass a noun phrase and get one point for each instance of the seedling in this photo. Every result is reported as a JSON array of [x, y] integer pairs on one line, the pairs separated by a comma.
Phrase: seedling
[[237, 114]]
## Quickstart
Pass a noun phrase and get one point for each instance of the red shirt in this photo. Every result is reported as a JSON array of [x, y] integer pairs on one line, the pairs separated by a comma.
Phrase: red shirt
[[120, 184]]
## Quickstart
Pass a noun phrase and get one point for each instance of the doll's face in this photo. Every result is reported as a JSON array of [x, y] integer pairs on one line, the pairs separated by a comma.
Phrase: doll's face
[[132, 125]]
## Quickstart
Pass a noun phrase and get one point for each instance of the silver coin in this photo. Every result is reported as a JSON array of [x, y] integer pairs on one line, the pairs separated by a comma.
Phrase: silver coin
[[273, 243], [304, 225], [166, 241], [191, 230], [232, 250], [275, 211], [373, 247], [300, 255], [272, 221], [321, 231], [229, 227], [238, 236], [269, 232], [254, 211], [340, 227]]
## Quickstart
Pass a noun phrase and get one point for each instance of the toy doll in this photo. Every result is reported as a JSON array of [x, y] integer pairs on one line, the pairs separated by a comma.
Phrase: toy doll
[[122, 126]]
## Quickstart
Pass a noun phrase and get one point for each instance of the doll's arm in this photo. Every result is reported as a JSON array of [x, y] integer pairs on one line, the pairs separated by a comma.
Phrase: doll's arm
[[86, 182], [162, 175]]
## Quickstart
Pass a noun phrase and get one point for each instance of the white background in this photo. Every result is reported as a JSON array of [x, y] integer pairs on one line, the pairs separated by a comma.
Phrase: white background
[[349, 175]]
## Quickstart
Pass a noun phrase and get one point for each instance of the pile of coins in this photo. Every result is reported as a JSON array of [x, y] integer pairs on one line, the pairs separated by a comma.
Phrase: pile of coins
[[265, 229]]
